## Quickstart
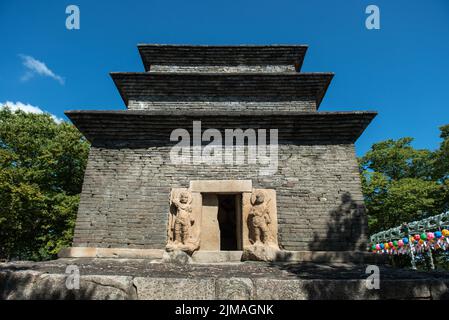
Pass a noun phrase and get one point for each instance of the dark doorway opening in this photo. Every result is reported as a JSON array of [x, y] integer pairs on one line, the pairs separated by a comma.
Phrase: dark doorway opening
[[228, 220]]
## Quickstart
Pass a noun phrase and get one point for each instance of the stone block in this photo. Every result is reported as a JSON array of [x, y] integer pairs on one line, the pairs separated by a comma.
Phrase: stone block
[[234, 289], [439, 289], [274, 289], [403, 289], [175, 288], [34, 285]]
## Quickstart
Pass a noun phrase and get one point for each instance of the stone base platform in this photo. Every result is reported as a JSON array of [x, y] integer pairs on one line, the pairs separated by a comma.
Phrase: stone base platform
[[145, 279], [224, 256]]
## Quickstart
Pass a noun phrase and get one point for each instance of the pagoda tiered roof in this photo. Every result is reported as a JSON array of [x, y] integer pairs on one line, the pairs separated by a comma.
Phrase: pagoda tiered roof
[[266, 76], [289, 56], [204, 86]]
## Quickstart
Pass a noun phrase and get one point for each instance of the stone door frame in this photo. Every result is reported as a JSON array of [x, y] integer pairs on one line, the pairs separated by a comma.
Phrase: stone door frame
[[204, 189]]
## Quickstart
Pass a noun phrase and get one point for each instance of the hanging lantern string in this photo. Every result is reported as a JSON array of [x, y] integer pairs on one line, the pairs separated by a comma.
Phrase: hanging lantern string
[[438, 240]]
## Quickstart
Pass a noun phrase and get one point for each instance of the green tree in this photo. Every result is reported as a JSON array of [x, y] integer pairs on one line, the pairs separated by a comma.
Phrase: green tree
[[42, 164], [403, 184]]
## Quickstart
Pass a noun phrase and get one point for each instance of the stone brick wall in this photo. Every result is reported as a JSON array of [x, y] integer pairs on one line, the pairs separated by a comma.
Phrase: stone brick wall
[[124, 202], [223, 69], [238, 104]]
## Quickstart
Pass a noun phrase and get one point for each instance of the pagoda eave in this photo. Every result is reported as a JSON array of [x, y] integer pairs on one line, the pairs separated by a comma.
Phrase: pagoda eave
[[144, 127], [224, 55], [209, 86]]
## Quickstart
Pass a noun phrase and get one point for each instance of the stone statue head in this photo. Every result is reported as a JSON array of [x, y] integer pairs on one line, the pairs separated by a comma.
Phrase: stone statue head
[[184, 197], [260, 198]]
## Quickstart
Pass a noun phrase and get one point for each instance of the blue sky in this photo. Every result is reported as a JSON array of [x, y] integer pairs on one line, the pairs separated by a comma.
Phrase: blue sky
[[401, 70]]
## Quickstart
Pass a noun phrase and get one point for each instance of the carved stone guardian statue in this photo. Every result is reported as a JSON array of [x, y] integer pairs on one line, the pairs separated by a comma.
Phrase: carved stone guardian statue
[[261, 224], [180, 222], [259, 219]]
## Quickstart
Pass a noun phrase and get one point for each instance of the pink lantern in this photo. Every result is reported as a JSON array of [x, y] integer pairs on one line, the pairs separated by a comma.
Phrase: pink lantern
[[400, 243], [430, 235]]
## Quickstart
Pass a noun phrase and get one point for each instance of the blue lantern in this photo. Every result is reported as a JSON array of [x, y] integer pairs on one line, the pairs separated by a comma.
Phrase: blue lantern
[[405, 240]]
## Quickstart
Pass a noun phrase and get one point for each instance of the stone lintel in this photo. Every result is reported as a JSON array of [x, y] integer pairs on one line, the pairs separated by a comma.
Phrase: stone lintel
[[221, 186]]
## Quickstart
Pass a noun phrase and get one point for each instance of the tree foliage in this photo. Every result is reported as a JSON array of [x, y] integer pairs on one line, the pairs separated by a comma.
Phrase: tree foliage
[[41, 172], [403, 184]]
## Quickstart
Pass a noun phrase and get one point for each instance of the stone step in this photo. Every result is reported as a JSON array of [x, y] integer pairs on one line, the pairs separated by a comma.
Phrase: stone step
[[216, 256]]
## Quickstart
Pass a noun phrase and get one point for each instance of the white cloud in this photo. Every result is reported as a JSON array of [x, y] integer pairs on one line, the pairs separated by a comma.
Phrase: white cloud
[[26, 107], [36, 67]]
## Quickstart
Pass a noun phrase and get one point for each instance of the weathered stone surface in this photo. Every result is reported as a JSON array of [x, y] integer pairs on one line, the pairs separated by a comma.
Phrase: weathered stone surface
[[260, 252], [404, 289], [123, 253], [139, 278], [177, 257], [202, 256], [439, 290], [35, 285], [175, 288], [235, 289], [336, 289], [271, 289]]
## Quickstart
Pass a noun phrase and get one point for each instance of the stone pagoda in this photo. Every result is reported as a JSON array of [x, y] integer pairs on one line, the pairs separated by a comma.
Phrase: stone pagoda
[[221, 154]]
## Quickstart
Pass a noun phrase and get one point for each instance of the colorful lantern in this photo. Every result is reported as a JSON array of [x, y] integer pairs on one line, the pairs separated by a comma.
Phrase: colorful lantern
[[438, 234], [445, 232], [400, 243], [417, 237]]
